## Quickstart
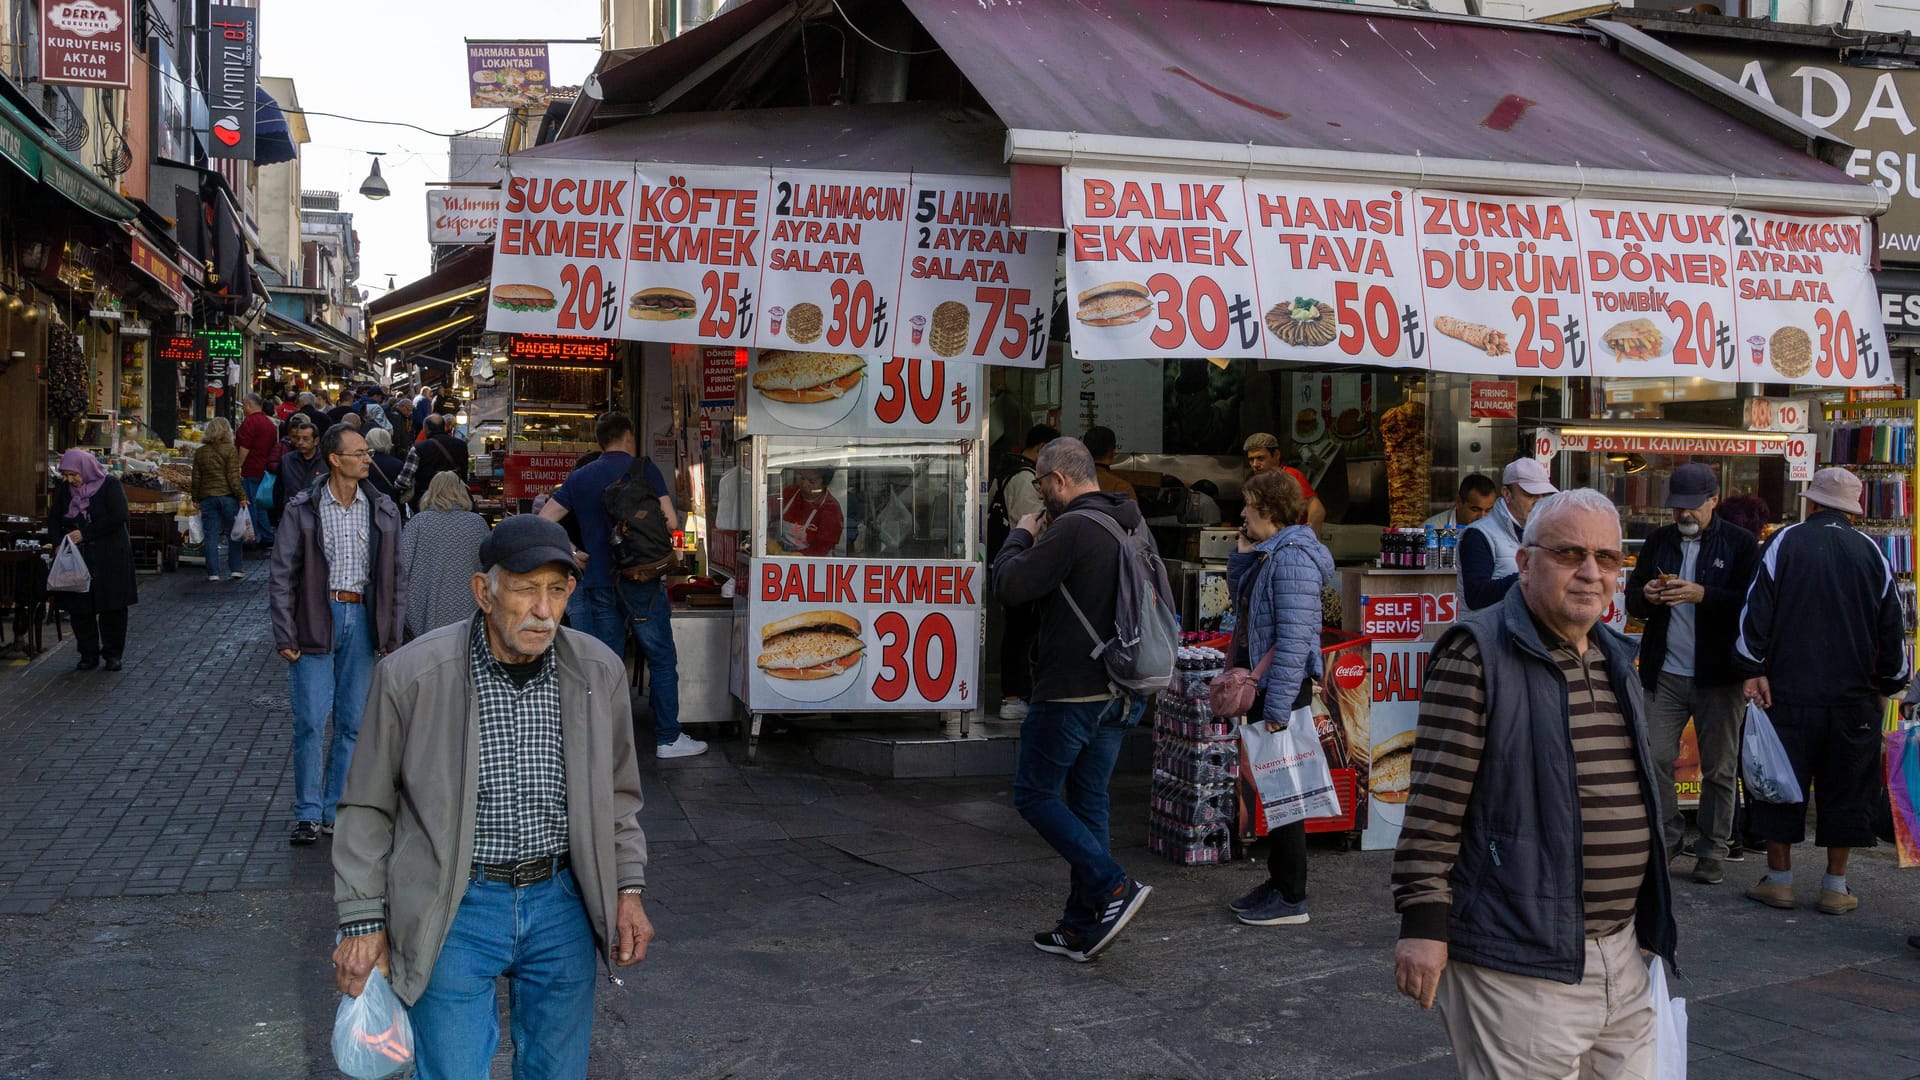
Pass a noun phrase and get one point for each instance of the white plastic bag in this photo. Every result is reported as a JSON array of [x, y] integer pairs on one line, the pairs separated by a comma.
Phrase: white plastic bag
[[372, 1036], [242, 531], [1767, 772], [69, 572], [1287, 771], [1669, 1027], [196, 533]]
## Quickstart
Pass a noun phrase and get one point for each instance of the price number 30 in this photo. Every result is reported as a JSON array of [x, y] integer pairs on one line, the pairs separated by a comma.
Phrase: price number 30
[[922, 658]]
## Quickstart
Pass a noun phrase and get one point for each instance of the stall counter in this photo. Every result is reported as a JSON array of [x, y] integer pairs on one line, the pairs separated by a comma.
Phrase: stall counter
[[702, 639]]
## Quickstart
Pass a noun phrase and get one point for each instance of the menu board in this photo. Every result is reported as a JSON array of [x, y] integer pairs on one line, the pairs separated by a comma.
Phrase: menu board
[[1808, 309], [1158, 266], [973, 287], [694, 256], [863, 635], [560, 257], [832, 274], [1502, 281], [1659, 290], [846, 395]]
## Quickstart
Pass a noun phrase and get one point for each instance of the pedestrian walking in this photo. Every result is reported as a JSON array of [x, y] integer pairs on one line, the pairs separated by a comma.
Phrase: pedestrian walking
[[440, 547], [610, 606], [338, 597], [1688, 586], [454, 867], [1527, 875], [221, 497], [258, 441], [313, 407], [1822, 641], [384, 468], [436, 452], [91, 510], [1075, 720], [1276, 577], [300, 465], [1015, 495], [1488, 547]]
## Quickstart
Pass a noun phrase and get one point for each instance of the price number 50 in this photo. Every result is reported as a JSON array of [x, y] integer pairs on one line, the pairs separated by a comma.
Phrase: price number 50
[[924, 658]]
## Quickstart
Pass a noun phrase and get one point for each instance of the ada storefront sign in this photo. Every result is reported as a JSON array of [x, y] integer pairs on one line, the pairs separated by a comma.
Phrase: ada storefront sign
[[86, 43], [233, 70], [859, 635]]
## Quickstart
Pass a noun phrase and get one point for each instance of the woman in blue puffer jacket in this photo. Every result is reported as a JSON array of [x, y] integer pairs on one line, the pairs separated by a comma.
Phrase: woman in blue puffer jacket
[[1276, 578]]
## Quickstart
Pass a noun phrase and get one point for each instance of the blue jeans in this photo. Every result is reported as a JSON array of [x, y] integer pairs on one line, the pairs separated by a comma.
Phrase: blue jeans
[[538, 937], [217, 516], [608, 612], [333, 682], [1066, 758], [262, 528]]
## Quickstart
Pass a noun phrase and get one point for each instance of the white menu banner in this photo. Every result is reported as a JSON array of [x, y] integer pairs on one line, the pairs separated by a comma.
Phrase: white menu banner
[[1502, 284], [973, 287], [1659, 290], [1809, 311], [832, 277], [845, 395]]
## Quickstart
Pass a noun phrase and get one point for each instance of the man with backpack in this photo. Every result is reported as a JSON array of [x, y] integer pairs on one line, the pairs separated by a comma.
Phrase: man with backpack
[[1014, 495], [1078, 565], [438, 452], [620, 581]]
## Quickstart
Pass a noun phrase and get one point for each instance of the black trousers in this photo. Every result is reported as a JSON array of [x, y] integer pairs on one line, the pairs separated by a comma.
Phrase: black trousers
[[1016, 650], [100, 634], [1287, 861], [1835, 750]]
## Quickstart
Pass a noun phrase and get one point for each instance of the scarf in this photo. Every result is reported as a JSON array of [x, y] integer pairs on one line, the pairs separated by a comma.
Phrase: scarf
[[91, 477]]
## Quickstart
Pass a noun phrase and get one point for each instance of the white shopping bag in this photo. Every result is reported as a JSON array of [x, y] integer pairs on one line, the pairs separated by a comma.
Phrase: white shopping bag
[[372, 1036], [196, 534], [1287, 773], [242, 531], [1767, 772], [69, 572], [1669, 1027]]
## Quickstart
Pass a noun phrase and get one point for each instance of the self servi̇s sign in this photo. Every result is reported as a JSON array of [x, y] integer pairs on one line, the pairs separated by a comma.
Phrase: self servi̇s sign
[[233, 70]]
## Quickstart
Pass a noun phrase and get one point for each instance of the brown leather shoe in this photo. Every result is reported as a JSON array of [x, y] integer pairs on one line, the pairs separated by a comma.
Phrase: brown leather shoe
[[1837, 903], [1774, 895]]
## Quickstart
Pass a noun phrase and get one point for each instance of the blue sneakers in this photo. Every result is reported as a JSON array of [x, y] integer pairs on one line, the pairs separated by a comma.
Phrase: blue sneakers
[[1260, 895], [1275, 910], [1118, 911]]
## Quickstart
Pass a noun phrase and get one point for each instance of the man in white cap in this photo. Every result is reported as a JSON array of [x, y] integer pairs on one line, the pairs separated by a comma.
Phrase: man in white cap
[[1488, 547], [1822, 640]]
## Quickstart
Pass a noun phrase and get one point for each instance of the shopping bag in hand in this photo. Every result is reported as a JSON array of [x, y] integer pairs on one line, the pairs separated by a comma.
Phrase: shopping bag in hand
[[372, 1036], [1286, 774], [1669, 1026], [242, 531], [1903, 791], [69, 572], [1767, 772], [196, 532]]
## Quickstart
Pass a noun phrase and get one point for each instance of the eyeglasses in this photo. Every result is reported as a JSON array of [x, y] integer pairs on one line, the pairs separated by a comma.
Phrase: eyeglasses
[[1572, 558], [354, 453]]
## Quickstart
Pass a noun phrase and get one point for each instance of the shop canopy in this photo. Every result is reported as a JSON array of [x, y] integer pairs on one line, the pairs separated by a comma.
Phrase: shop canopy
[[421, 313], [315, 338], [35, 153], [1337, 92]]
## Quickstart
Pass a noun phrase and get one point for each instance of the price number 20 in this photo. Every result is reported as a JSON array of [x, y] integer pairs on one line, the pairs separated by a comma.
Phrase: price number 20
[[924, 658]]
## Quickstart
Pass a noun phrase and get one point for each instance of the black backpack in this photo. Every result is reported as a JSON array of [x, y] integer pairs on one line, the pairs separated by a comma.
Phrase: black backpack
[[637, 530], [999, 521]]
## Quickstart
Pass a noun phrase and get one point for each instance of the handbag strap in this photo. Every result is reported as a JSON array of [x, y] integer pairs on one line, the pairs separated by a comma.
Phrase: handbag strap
[[1246, 616]]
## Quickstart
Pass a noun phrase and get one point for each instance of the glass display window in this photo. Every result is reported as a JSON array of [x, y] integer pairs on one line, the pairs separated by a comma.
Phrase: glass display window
[[872, 499]]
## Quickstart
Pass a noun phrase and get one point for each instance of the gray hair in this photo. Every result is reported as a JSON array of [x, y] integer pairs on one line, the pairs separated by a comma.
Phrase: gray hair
[[306, 397], [1260, 440], [1572, 501], [256, 401], [1068, 456], [218, 430], [445, 492], [380, 439]]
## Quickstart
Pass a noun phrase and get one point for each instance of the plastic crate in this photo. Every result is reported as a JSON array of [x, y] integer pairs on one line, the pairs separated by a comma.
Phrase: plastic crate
[[1192, 804], [1344, 789], [1190, 845], [1190, 721]]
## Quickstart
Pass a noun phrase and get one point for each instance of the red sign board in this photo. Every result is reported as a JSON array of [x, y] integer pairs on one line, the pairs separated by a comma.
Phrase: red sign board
[[527, 475], [155, 264], [86, 42], [1404, 616], [183, 349], [545, 347], [718, 369], [1494, 399]]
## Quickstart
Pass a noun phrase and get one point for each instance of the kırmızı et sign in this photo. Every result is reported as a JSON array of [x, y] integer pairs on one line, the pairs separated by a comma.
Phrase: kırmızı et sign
[[233, 72]]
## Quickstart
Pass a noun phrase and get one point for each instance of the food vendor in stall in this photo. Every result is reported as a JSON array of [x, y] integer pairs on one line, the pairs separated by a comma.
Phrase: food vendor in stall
[[1488, 546], [1474, 501], [1263, 453], [810, 517]]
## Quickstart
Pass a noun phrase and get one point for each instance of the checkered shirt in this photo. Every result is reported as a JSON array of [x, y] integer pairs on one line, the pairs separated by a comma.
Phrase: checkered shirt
[[343, 536], [522, 808]]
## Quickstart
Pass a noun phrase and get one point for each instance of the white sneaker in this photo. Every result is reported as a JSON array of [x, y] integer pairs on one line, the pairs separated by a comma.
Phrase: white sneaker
[[684, 746], [238, 576], [1013, 709], [213, 577]]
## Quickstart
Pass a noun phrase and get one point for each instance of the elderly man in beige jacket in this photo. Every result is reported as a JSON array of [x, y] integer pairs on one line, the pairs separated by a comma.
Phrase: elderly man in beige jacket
[[490, 824]]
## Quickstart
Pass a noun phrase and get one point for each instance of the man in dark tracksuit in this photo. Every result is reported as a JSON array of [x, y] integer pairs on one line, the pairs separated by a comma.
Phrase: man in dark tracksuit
[[1076, 719], [1823, 638]]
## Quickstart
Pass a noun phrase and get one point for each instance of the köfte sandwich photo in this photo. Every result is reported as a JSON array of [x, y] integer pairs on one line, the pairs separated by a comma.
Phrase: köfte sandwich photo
[[803, 378], [661, 304], [1116, 303], [811, 645], [522, 298]]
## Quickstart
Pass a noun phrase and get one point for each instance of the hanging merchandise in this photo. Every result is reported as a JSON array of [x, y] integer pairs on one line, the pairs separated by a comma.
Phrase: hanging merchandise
[[66, 375]]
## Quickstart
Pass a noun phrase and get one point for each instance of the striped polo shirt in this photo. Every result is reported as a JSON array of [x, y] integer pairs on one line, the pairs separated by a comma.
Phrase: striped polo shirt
[[1615, 835]]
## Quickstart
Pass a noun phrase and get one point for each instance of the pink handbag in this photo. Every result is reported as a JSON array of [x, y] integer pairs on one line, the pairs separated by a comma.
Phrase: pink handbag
[[1232, 692]]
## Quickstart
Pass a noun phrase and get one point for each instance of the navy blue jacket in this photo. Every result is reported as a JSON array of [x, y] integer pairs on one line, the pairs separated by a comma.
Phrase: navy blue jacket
[[1724, 568]]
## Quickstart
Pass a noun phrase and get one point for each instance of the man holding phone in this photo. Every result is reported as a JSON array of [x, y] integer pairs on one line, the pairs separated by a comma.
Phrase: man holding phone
[[1688, 587]]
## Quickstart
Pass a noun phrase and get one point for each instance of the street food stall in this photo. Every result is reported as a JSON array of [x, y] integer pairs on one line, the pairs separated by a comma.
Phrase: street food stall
[[555, 387]]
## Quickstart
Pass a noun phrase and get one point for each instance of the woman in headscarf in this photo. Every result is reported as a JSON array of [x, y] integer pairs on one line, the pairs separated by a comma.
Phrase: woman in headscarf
[[91, 509]]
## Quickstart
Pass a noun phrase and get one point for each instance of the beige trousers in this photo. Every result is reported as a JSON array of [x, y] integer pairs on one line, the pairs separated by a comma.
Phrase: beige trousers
[[1515, 1027]]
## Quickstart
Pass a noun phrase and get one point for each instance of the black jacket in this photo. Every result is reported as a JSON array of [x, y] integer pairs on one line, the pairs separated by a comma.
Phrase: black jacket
[[437, 453], [1724, 568], [385, 471], [1085, 558], [296, 475], [1823, 620], [104, 543]]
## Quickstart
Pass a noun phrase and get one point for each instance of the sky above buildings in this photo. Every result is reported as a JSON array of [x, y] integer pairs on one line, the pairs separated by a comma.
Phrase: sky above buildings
[[401, 60]]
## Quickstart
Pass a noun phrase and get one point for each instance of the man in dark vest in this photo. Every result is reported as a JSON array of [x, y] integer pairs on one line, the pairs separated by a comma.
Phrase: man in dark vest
[[1529, 873]]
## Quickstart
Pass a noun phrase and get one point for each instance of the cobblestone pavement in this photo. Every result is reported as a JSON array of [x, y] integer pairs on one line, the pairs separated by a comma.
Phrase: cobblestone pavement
[[154, 921]]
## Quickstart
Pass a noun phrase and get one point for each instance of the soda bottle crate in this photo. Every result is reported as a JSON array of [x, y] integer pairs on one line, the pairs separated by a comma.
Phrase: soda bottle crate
[[1192, 804], [1190, 724], [1198, 762], [1190, 845]]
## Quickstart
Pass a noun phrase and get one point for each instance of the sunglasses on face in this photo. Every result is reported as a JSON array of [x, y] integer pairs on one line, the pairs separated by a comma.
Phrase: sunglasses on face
[[1572, 558]]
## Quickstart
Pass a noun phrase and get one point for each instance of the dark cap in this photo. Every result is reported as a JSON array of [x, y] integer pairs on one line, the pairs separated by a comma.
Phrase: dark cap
[[523, 543], [1692, 484]]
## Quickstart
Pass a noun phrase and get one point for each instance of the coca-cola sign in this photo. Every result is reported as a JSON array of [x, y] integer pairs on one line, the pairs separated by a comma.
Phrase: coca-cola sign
[[86, 43]]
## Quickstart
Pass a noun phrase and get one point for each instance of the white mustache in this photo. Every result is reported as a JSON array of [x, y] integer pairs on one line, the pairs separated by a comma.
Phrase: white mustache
[[538, 626]]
